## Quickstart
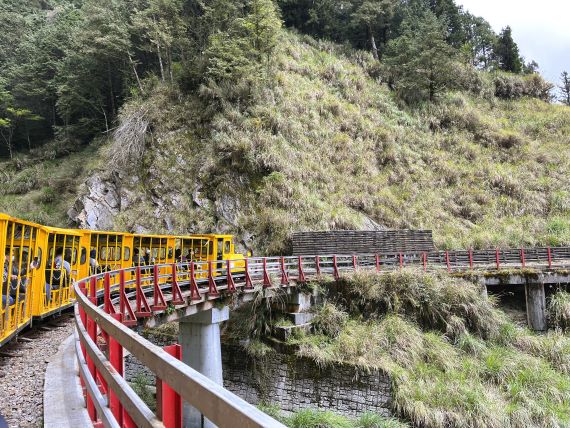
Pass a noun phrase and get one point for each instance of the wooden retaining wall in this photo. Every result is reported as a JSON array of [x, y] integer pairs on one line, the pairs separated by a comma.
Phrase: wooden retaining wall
[[362, 242]]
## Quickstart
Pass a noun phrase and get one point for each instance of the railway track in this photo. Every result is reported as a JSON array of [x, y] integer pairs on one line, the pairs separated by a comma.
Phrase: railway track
[[22, 367]]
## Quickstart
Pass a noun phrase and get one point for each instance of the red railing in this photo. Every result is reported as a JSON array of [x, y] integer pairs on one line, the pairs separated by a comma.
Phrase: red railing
[[103, 333]]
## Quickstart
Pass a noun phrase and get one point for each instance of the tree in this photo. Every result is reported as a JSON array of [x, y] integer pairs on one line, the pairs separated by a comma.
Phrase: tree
[[375, 16], [481, 41], [246, 47], [162, 27], [530, 67], [419, 61], [565, 88], [93, 77], [507, 52], [451, 16]]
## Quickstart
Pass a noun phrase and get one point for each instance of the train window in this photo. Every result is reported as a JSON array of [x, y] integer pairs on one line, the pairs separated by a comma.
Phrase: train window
[[227, 247], [170, 252], [38, 258], [83, 258], [210, 248], [158, 254], [127, 255], [110, 254]]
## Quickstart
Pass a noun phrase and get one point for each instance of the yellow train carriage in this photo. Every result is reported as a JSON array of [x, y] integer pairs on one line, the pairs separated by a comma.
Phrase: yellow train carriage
[[19, 241], [61, 260]]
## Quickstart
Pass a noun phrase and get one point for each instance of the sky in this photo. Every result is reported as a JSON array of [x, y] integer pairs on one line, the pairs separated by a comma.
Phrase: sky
[[540, 28]]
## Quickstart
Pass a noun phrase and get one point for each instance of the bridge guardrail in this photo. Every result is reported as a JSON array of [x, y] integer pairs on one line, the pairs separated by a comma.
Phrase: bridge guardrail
[[102, 331]]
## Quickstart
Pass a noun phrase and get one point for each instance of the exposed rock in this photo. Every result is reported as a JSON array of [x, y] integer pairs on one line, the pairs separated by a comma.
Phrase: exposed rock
[[100, 203]]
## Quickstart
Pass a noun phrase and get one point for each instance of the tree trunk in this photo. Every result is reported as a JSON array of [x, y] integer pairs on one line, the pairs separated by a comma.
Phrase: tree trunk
[[169, 59], [160, 61], [111, 92], [373, 45], [135, 72]]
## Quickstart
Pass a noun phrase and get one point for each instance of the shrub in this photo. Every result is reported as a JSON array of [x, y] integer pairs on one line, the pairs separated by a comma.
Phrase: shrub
[[330, 320], [559, 310], [434, 300]]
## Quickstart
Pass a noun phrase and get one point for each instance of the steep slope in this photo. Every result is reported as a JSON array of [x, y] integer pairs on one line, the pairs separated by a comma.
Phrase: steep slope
[[327, 146]]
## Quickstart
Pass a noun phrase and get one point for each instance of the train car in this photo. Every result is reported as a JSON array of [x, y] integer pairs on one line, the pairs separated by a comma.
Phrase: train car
[[61, 260], [20, 244], [41, 264]]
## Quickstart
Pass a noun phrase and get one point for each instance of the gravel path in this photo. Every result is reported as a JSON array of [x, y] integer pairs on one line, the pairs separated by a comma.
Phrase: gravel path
[[22, 376]]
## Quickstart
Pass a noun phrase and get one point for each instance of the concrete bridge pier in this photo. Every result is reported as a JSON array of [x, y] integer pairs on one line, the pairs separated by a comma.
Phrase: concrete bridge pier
[[199, 337], [536, 303]]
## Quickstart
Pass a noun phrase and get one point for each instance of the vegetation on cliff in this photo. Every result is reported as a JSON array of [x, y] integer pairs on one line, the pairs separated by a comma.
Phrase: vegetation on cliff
[[454, 358]]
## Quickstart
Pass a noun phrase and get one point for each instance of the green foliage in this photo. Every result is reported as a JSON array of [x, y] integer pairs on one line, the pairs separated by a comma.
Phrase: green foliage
[[507, 52], [419, 61], [442, 378], [559, 310], [330, 320]]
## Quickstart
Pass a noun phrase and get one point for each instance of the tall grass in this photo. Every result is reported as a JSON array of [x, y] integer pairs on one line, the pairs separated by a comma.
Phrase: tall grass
[[559, 310], [485, 373]]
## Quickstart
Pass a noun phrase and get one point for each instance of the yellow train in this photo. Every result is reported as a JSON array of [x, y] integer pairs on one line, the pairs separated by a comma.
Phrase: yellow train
[[41, 263]]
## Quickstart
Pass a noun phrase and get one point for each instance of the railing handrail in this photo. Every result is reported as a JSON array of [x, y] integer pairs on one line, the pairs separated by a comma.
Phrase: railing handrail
[[215, 402]]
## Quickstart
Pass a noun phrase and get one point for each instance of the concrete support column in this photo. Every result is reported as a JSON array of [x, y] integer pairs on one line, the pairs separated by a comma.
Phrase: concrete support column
[[536, 304], [199, 337], [483, 287]]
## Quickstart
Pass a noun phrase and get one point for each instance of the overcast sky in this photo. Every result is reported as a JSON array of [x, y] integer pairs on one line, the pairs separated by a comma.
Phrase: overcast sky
[[541, 29]]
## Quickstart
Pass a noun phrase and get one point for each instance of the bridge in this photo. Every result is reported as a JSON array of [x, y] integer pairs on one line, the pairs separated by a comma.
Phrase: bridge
[[189, 386]]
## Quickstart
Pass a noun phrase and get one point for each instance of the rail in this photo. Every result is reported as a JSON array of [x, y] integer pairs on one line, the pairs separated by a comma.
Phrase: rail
[[103, 332]]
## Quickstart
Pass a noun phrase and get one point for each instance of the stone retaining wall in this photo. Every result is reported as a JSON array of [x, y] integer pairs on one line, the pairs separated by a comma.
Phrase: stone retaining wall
[[292, 382], [295, 383]]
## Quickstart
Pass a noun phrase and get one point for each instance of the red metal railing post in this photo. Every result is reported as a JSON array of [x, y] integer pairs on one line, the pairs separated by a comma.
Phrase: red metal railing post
[[425, 261], [301, 279], [335, 268], [377, 257], [523, 258], [471, 258], [248, 281], [498, 259], [401, 261], [266, 277], [177, 298], [169, 403], [92, 332], [549, 253], [229, 277], [143, 307], [128, 315], [116, 360], [194, 291], [318, 265], [159, 302], [107, 304], [284, 275], [354, 262], [447, 263], [212, 289]]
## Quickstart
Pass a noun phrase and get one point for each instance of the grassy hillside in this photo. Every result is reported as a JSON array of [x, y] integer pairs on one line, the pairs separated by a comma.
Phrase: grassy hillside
[[455, 360], [326, 145]]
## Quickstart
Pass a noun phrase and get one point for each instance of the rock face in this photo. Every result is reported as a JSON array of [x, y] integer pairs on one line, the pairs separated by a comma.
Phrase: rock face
[[98, 206]]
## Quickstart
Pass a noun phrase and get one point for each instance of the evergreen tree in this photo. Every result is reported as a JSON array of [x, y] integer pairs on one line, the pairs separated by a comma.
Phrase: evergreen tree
[[419, 61], [481, 40], [375, 16], [507, 52], [565, 88], [160, 23]]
